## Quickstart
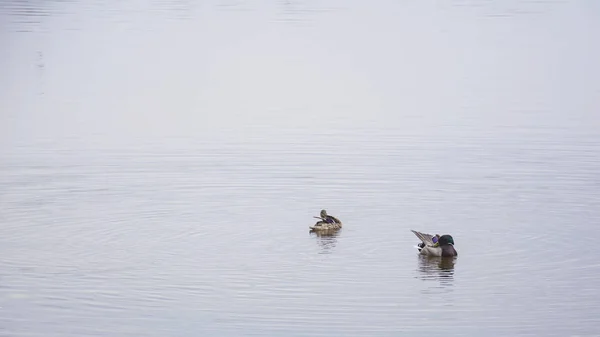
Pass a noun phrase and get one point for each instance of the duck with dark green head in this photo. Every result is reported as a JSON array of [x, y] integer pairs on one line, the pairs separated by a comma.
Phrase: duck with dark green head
[[436, 245], [326, 222], [446, 243]]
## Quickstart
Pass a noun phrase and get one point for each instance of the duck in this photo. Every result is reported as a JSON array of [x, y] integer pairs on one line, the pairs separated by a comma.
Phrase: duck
[[436, 245], [326, 223]]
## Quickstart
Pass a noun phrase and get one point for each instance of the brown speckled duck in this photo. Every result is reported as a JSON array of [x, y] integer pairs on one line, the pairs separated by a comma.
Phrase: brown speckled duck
[[326, 222]]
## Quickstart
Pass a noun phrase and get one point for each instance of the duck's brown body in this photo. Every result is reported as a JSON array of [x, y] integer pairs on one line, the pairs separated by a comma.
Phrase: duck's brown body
[[325, 226], [326, 223]]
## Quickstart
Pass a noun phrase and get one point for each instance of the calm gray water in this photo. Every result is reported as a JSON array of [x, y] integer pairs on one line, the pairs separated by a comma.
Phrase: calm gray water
[[161, 161]]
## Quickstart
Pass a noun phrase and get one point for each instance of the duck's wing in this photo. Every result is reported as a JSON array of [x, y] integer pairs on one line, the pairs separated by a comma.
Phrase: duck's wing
[[426, 238], [431, 251]]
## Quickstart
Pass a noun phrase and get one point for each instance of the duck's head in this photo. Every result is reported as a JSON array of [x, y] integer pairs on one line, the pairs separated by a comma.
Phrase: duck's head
[[446, 240], [323, 214]]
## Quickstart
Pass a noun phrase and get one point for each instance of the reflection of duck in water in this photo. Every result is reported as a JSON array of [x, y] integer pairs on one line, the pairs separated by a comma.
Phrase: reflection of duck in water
[[436, 245], [327, 240], [436, 267], [327, 223]]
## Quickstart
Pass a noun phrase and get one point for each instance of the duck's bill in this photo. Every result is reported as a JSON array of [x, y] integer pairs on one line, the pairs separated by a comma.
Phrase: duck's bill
[[317, 217]]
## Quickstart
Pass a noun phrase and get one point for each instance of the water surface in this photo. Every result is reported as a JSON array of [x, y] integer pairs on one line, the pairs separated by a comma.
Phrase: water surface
[[161, 161]]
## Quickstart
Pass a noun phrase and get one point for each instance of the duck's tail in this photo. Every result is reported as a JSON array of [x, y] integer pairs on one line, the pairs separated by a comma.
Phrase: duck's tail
[[426, 239]]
